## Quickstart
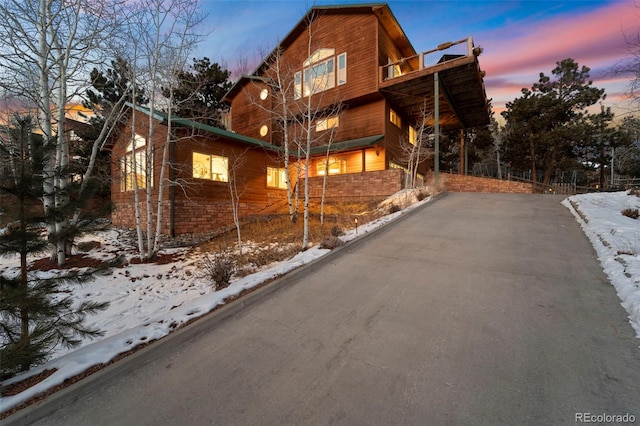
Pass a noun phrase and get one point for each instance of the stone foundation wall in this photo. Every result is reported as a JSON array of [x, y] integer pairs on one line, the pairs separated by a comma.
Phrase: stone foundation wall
[[368, 185], [461, 183]]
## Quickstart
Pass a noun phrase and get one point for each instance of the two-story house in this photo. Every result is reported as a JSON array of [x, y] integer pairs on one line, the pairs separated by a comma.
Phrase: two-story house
[[352, 70], [343, 95]]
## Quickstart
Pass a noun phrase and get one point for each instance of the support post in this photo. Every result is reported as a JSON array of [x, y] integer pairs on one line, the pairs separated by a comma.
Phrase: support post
[[466, 158], [436, 129], [463, 163]]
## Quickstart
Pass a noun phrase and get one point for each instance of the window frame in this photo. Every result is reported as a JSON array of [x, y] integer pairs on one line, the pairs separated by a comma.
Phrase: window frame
[[334, 162], [327, 123], [210, 167], [279, 174], [133, 165], [322, 71], [395, 118]]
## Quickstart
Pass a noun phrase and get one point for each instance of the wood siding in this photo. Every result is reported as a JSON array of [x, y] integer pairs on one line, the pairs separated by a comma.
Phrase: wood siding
[[199, 205]]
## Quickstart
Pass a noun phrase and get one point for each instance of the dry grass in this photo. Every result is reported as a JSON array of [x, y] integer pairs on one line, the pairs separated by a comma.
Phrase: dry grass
[[632, 213], [274, 238]]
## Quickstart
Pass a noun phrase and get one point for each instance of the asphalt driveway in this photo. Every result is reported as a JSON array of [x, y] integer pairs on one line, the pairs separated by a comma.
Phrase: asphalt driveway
[[475, 309]]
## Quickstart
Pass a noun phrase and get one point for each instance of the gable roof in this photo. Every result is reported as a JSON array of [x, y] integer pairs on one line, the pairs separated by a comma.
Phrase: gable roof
[[381, 10], [215, 131]]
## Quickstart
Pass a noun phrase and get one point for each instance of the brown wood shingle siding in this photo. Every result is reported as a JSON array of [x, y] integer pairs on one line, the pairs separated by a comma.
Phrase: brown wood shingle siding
[[201, 205]]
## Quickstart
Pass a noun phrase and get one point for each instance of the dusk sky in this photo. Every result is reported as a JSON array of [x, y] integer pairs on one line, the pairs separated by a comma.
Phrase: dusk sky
[[520, 38]]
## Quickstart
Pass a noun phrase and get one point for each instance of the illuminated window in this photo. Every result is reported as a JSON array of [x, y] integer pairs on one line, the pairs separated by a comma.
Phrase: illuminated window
[[327, 123], [263, 94], [319, 73], [276, 178], [211, 167], [395, 118], [134, 165], [413, 135], [336, 166]]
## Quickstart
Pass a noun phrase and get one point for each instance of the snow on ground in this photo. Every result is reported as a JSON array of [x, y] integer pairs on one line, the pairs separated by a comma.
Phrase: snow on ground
[[616, 239], [148, 301]]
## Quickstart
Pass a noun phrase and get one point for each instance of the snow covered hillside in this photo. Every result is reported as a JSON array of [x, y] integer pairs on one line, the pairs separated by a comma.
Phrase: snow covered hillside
[[148, 301]]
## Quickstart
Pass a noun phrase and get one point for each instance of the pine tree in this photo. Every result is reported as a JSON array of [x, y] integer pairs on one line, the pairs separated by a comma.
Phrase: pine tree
[[35, 316], [199, 92]]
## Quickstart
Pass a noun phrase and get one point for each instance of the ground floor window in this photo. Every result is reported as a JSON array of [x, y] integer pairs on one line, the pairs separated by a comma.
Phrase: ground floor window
[[276, 177], [335, 166], [134, 165], [211, 167]]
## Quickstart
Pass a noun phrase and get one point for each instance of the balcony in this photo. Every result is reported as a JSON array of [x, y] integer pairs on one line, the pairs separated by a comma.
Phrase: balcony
[[409, 85]]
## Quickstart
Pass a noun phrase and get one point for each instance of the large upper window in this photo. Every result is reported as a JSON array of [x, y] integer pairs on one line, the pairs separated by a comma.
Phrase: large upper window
[[212, 167], [319, 73], [134, 165]]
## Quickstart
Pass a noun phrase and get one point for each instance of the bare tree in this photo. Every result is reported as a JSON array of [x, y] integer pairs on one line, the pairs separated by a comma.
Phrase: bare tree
[[237, 187], [496, 133], [164, 38], [280, 82], [48, 48], [418, 148], [630, 66], [330, 137]]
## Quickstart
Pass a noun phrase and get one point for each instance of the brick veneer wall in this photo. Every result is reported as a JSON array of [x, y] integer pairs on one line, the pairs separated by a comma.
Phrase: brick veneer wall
[[193, 215], [199, 215], [461, 183], [366, 185]]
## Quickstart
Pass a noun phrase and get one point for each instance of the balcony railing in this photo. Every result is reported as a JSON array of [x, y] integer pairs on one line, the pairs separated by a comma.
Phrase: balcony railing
[[446, 52]]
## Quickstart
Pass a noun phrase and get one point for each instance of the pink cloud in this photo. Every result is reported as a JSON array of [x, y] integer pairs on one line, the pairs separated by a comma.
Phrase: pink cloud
[[595, 39]]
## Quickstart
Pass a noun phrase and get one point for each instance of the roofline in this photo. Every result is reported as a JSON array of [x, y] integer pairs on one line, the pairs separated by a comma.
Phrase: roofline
[[216, 131], [376, 8], [358, 143]]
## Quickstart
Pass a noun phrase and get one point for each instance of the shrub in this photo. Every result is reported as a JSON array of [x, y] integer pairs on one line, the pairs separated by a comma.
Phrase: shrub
[[218, 269], [422, 194], [394, 208], [336, 231], [634, 191], [331, 243], [632, 213]]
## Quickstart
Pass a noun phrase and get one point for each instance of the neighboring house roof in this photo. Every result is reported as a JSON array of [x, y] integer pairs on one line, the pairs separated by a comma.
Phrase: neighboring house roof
[[381, 10], [347, 145], [215, 131]]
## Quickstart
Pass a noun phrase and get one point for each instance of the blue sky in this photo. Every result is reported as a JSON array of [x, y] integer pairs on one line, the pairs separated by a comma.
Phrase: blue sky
[[520, 38]]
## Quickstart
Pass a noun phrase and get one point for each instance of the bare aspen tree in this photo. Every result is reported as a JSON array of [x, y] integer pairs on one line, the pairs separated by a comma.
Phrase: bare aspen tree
[[237, 188], [54, 43], [332, 129], [281, 92], [417, 149], [165, 35], [313, 106], [296, 104]]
